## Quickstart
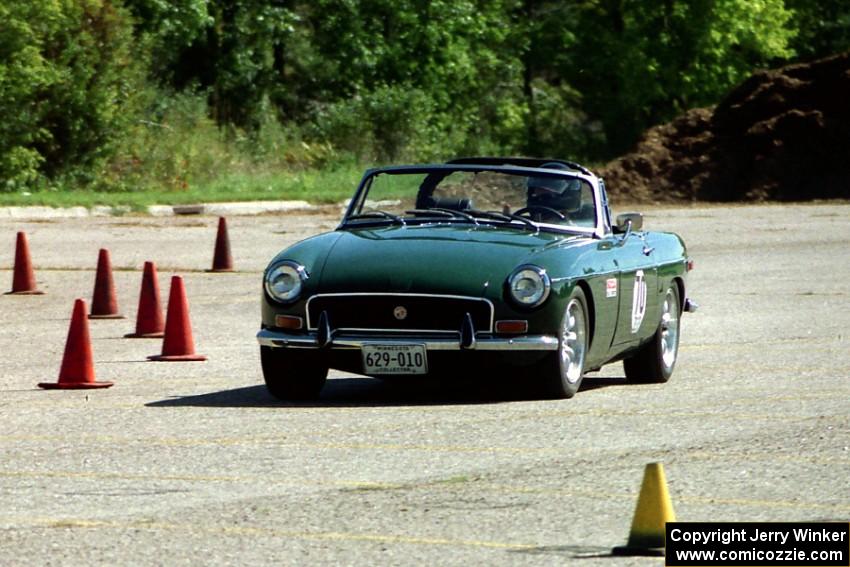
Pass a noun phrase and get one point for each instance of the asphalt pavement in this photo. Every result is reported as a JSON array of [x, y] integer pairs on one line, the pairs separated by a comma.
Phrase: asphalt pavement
[[195, 464]]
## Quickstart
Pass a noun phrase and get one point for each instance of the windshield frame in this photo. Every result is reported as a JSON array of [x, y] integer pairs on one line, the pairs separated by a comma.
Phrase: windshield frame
[[360, 195]]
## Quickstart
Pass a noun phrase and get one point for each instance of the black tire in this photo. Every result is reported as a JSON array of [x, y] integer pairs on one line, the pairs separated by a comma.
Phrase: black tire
[[654, 361], [560, 373], [293, 375]]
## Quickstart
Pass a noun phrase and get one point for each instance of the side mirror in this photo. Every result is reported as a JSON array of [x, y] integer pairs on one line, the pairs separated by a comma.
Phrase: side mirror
[[628, 221]]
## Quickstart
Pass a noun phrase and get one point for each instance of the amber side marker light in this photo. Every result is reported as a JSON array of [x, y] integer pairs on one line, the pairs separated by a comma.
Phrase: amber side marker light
[[511, 327], [290, 322]]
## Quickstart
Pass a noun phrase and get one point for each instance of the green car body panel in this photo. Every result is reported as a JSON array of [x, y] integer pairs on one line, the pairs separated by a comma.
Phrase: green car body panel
[[474, 260]]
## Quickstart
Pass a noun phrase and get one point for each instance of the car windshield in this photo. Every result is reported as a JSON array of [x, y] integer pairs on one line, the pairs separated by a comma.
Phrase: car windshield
[[560, 200]]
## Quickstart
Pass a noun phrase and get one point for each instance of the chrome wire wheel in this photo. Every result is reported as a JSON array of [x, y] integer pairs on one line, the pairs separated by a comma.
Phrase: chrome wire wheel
[[669, 330], [573, 341]]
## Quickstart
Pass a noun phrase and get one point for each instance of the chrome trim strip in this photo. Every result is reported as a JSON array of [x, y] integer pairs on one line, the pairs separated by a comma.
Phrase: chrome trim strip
[[569, 229], [591, 275], [394, 331], [285, 340], [529, 342], [379, 294]]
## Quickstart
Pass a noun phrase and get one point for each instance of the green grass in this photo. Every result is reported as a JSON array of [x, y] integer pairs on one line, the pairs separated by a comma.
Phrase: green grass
[[315, 186]]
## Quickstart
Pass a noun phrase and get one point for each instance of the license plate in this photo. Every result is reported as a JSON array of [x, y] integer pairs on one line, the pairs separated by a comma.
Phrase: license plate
[[394, 359]]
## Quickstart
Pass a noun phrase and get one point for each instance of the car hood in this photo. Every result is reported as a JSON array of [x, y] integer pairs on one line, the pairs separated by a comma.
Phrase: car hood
[[451, 259]]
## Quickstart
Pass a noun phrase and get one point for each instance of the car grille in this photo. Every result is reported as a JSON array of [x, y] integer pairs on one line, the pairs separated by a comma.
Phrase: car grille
[[379, 312]]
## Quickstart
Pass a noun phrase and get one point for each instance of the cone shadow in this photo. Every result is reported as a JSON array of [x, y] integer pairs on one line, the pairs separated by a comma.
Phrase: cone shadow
[[565, 552]]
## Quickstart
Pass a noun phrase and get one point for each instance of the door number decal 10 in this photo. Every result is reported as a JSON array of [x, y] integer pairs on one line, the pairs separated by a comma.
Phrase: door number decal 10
[[638, 301]]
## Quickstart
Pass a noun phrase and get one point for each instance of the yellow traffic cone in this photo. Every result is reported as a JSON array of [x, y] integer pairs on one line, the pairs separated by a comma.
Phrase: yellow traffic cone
[[653, 511]]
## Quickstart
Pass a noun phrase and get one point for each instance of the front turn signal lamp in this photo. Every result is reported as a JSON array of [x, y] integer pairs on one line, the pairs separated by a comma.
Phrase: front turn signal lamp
[[289, 322], [512, 327]]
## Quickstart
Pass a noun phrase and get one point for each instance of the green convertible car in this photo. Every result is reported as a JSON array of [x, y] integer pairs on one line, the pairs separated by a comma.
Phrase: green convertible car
[[476, 266]]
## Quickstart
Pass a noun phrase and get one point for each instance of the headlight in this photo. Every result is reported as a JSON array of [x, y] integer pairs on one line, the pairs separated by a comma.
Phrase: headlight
[[529, 285], [283, 281]]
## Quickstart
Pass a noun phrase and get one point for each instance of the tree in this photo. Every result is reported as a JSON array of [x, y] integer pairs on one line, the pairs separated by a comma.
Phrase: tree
[[67, 78], [449, 63], [165, 28], [824, 27], [639, 63]]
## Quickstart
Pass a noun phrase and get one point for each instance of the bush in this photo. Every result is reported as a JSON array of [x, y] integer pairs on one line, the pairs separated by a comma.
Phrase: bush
[[388, 124], [171, 145], [177, 145]]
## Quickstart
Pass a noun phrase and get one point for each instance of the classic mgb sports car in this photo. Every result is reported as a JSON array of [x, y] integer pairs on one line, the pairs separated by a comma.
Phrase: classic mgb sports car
[[474, 267]]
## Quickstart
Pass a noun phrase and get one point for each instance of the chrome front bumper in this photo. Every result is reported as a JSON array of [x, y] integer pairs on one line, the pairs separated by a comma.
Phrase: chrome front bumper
[[277, 339]]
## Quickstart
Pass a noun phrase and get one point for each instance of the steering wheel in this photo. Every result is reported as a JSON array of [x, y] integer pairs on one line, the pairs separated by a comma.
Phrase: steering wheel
[[540, 209]]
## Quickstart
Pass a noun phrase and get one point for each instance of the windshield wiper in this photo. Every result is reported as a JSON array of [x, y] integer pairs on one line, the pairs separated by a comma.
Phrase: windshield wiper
[[427, 212], [376, 215], [444, 213], [460, 214], [503, 217], [528, 222]]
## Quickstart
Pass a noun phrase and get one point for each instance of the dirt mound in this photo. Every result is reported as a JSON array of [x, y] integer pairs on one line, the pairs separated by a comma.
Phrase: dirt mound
[[783, 134]]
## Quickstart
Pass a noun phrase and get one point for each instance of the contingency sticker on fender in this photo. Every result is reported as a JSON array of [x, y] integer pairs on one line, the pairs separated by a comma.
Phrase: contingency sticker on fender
[[638, 301], [611, 287]]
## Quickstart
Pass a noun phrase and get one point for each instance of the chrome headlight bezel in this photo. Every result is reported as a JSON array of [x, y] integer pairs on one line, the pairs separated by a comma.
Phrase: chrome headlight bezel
[[298, 275], [541, 283]]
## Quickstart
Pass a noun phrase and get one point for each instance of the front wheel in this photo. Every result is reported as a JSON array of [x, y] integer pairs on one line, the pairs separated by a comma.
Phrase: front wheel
[[561, 374], [653, 362], [291, 374]]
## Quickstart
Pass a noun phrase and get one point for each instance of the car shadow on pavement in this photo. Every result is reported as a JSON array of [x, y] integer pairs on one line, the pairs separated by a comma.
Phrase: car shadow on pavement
[[368, 392], [596, 383]]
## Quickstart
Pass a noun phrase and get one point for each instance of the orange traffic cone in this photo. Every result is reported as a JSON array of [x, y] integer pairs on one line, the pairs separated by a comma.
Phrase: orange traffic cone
[[77, 372], [23, 280], [222, 260], [104, 302], [178, 344], [149, 320]]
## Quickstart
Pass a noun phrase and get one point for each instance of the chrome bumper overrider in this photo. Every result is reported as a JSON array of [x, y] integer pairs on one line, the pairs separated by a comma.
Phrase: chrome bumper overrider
[[278, 339]]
